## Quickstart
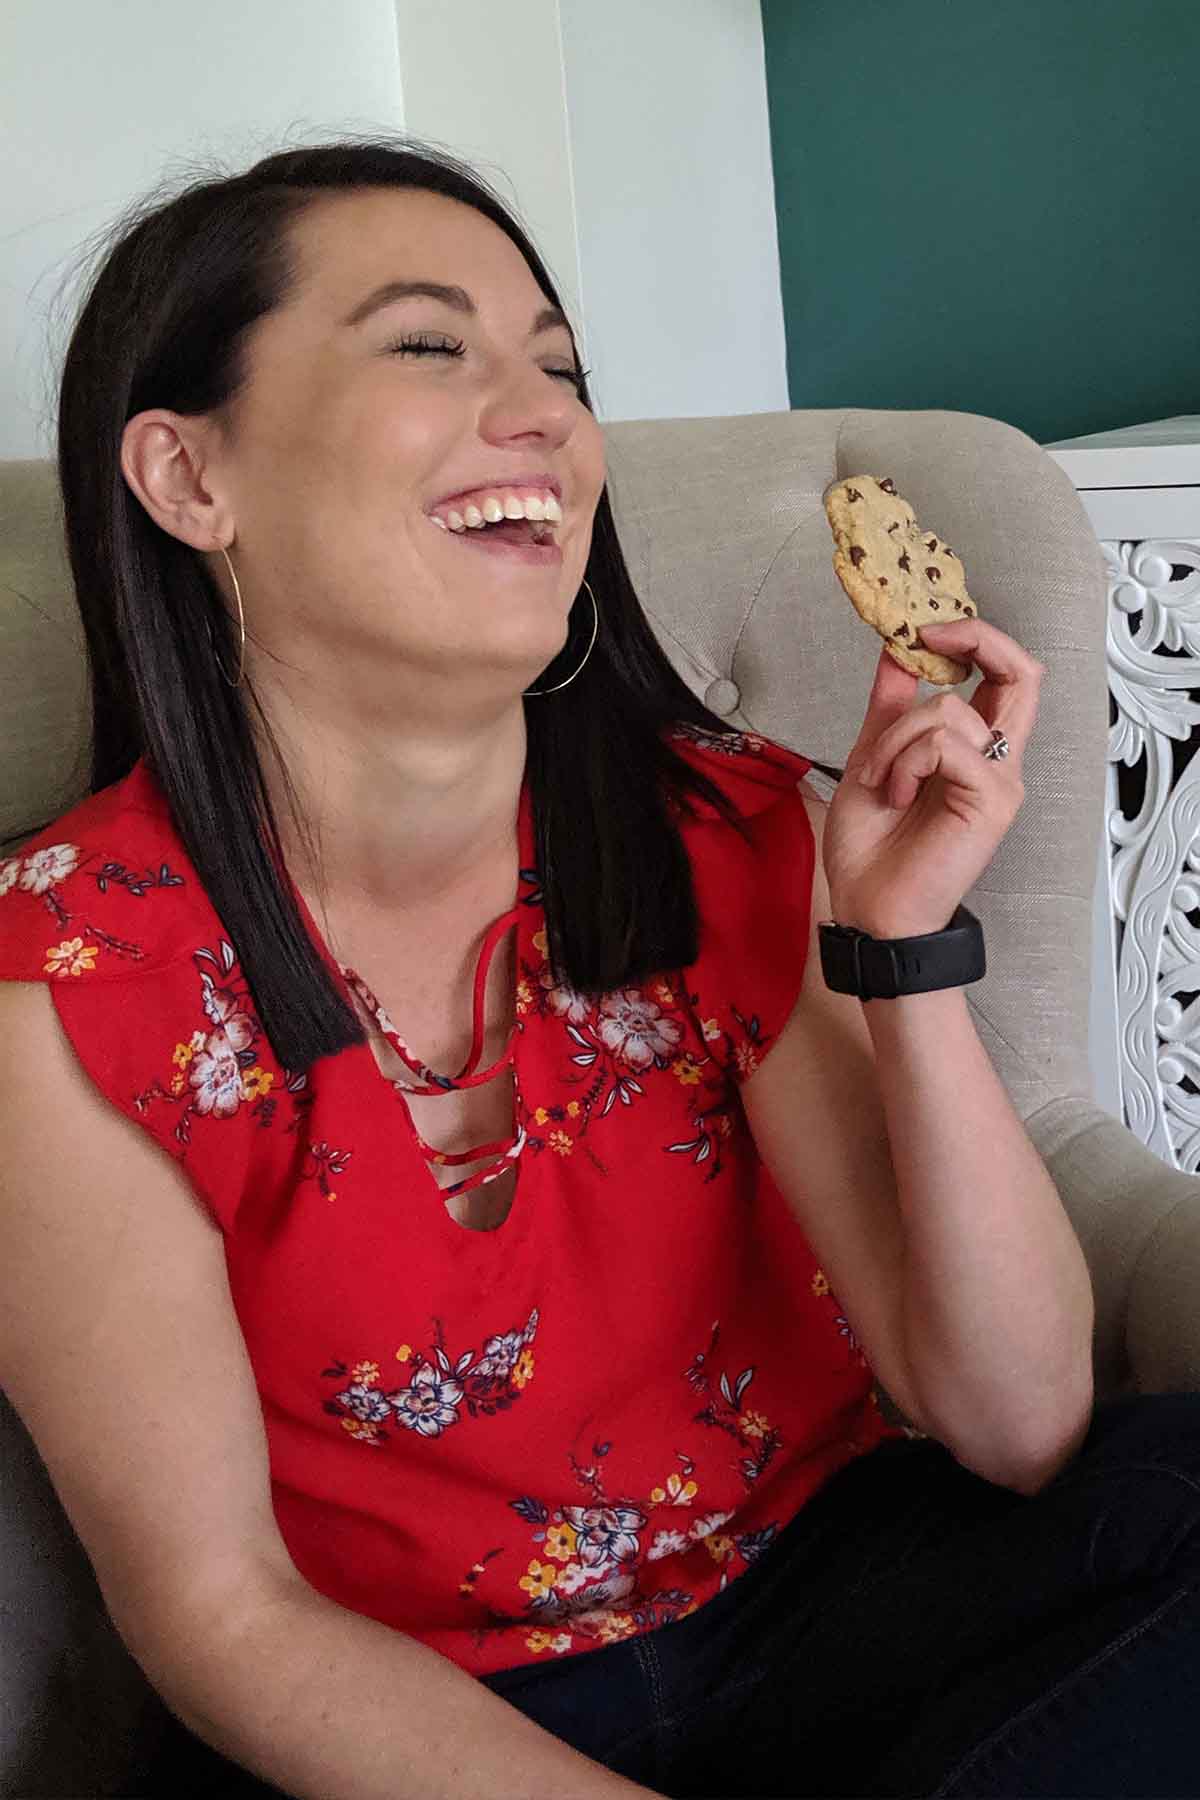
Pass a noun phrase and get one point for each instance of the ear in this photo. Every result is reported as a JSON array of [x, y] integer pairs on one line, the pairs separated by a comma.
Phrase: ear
[[166, 460]]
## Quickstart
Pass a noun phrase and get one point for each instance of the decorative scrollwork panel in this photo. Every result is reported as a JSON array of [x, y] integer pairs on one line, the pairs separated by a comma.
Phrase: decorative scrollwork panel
[[1153, 816]]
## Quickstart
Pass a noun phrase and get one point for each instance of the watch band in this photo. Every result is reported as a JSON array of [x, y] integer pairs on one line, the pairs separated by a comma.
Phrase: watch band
[[853, 962]]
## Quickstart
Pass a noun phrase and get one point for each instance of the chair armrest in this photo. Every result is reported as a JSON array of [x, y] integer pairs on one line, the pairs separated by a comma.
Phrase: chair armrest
[[1163, 1330], [77, 1715], [1138, 1223]]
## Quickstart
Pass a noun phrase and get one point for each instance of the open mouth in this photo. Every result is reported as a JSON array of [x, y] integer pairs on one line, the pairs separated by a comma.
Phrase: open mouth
[[527, 540], [513, 531]]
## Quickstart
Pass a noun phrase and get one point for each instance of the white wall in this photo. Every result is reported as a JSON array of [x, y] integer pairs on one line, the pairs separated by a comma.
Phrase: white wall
[[675, 199], [98, 102], [631, 140]]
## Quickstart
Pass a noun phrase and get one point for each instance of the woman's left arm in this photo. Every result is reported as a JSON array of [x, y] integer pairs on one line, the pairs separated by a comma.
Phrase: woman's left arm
[[995, 1312], [998, 1309], [894, 1143]]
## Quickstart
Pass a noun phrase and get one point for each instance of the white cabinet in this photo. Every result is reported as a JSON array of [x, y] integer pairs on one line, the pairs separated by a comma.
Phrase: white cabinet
[[1141, 488]]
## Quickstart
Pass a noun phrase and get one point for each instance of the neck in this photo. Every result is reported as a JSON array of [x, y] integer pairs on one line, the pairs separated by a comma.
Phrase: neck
[[403, 826]]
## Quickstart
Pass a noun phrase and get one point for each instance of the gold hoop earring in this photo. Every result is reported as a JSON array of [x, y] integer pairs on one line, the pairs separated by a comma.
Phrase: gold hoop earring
[[242, 627], [241, 621], [587, 652]]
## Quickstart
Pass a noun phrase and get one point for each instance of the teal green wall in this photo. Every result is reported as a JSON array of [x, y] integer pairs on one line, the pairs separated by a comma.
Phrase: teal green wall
[[990, 205]]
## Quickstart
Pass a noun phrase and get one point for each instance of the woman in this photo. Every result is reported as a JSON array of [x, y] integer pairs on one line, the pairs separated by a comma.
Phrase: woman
[[579, 1478]]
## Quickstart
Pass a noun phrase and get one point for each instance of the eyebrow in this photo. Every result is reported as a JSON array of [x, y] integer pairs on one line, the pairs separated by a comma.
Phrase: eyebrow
[[549, 319]]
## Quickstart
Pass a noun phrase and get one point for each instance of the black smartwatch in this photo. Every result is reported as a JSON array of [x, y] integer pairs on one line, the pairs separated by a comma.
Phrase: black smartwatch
[[853, 962]]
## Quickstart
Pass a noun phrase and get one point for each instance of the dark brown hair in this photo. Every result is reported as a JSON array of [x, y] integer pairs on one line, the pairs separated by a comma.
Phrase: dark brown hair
[[163, 324]]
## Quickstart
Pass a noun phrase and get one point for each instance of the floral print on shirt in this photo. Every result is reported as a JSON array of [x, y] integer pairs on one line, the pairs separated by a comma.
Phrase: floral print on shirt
[[755, 1436], [438, 1389], [217, 1069], [585, 1578], [613, 1045], [589, 1577], [724, 743], [43, 873]]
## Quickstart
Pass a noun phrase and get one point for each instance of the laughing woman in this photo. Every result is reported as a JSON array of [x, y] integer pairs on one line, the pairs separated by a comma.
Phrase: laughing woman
[[455, 1244]]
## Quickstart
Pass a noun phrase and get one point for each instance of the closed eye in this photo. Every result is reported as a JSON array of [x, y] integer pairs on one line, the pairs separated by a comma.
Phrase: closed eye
[[420, 346]]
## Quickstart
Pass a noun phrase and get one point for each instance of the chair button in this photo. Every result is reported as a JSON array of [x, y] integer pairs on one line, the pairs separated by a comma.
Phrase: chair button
[[722, 696]]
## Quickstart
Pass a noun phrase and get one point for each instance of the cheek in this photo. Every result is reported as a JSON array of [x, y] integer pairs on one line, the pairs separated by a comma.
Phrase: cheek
[[394, 460], [594, 461]]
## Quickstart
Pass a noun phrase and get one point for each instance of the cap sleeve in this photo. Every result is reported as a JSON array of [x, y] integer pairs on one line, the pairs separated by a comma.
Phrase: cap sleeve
[[754, 899], [105, 908], [105, 893]]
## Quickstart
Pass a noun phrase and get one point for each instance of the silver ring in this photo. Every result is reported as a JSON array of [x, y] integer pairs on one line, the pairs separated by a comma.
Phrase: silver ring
[[997, 750]]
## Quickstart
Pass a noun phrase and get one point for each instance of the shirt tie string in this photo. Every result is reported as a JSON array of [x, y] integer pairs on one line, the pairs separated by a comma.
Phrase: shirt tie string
[[432, 1082]]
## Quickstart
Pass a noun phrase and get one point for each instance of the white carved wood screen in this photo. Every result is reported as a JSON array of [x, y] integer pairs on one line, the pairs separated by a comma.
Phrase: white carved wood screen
[[1141, 488]]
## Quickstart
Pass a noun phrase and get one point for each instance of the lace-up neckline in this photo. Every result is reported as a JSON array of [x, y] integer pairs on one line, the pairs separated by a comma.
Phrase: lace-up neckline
[[432, 1082]]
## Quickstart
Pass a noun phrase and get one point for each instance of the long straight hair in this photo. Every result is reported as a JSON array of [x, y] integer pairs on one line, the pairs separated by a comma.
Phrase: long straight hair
[[163, 323]]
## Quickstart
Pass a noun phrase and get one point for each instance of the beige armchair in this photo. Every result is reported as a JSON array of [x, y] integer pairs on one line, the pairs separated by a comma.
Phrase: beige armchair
[[726, 539]]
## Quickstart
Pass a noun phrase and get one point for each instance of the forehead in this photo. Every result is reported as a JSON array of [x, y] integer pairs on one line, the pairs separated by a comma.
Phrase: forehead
[[345, 245]]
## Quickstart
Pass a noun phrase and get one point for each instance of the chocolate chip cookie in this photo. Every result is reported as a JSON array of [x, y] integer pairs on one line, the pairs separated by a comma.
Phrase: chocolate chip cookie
[[898, 574]]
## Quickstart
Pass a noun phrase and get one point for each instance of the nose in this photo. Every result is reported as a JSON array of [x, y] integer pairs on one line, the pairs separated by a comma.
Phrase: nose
[[525, 401]]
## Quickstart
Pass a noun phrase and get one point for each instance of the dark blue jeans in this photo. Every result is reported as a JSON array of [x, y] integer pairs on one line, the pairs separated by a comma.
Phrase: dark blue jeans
[[915, 1631], [920, 1631]]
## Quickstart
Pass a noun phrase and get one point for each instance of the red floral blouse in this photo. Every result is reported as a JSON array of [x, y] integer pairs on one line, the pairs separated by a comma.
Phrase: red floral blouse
[[515, 1444]]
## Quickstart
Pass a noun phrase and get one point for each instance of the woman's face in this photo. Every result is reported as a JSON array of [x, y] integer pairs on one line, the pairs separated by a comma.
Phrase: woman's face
[[334, 454]]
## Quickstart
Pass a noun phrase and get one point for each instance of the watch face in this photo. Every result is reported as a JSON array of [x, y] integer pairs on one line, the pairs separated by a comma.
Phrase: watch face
[[855, 963], [838, 959]]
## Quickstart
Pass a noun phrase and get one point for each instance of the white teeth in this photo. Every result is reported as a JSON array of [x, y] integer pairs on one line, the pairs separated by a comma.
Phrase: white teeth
[[473, 518]]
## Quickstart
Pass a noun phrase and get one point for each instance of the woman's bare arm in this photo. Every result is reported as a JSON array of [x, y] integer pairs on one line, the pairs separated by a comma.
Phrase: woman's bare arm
[[121, 1351]]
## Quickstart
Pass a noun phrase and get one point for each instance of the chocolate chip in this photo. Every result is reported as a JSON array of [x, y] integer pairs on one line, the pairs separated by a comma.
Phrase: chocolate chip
[[900, 631], [935, 606], [856, 554], [970, 611], [948, 551], [894, 527], [958, 605], [934, 574], [904, 562], [888, 485], [853, 494], [883, 581], [932, 544]]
